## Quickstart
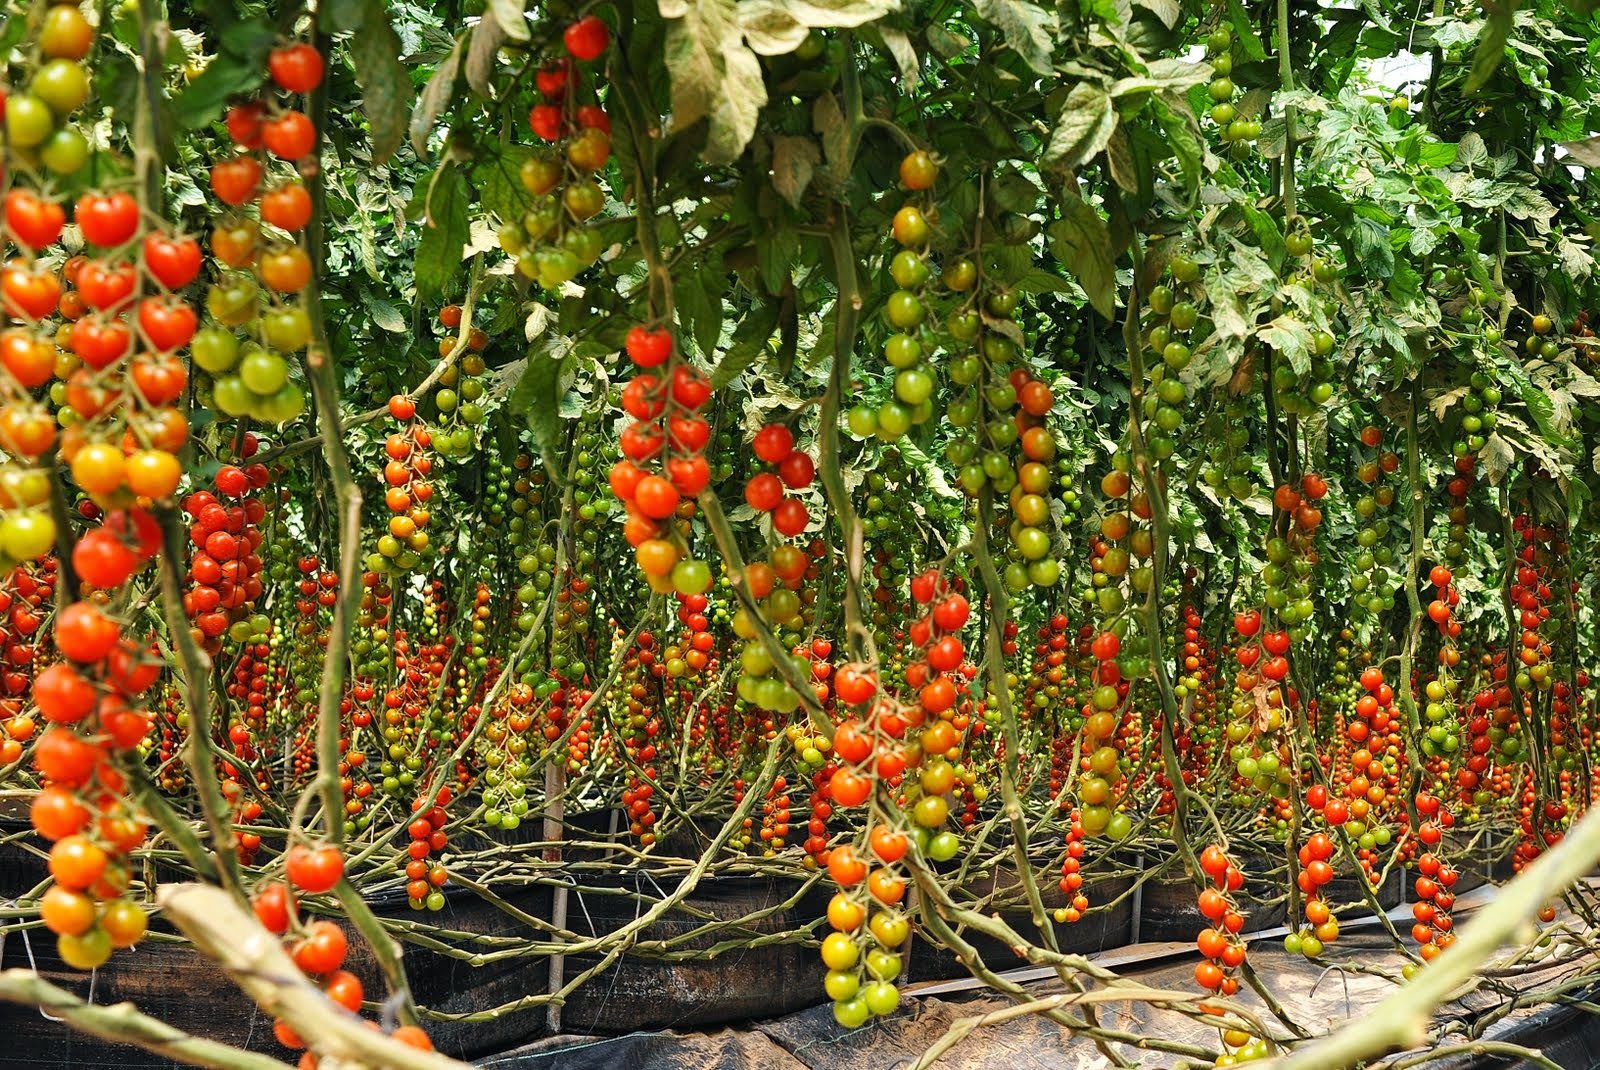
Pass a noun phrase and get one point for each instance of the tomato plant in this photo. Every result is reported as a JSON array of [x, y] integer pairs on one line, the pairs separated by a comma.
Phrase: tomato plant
[[945, 451]]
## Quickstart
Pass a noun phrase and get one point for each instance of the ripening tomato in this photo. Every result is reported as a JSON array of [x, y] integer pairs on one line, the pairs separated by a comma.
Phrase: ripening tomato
[[30, 360], [885, 886], [168, 322], [101, 559], [773, 443], [160, 379], [107, 219], [154, 473], [173, 261], [66, 912], [289, 136], [918, 171], [124, 922], [84, 633], [33, 220], [106, 285], [587, 38], [244, 123], [594, 117], [656, 498], [297, 68], [589, 149], [98, 468], [76, 862], [57, 814], [546, 121], [848, 788], [272, 905], [691, 387], [854, 686], [61, 692], [690, 475], [235, 181], [344, 988], [65, 33], [648, 348], [790, 517], [412, 1036], [763, 492], [315, 869], [656, 557], [285, 269], [30, 293], [323, 949], [287, 206], [235, 241], [844, 865], [552, 78]]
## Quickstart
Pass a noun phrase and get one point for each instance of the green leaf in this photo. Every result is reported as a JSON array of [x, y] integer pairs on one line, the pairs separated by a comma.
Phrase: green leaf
[[385, 315], [1167, 11], [699, 310], [1244, 32], [1027, 28], [508, 15], [1183, 135], [1039, 281], [750, 340], [537, 397], [446, 227], [1080, 241], [1087, 120], [1492, 43], [776, 252], [483, 54], [1291, 339], [828, 121], [436, 96], [794, 161], [385, 85], [944, 43], [497, 176], [1163, 74], [240, 66], [1585, 153], [897, 43], [714, 75], [1266, 232], [1013, 191], [710, 53]]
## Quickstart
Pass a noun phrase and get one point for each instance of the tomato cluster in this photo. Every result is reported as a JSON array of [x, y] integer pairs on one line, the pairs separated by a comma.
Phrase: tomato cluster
[[318, 948], [408, 492], [1221, 944], [460, 397], [92, 700], [25, 598], [1238, 132], [264, 263], [908, 350], [39, 131], [425, 872], [863, 959], [554, 240], [766, 492], [663, 465], [225, 568]]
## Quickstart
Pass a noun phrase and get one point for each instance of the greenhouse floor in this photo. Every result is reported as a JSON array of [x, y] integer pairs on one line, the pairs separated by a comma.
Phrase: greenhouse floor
[[1320, 998]]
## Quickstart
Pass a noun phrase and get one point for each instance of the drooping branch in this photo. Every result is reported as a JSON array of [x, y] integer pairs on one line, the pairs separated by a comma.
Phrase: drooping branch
[[259, 965]]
